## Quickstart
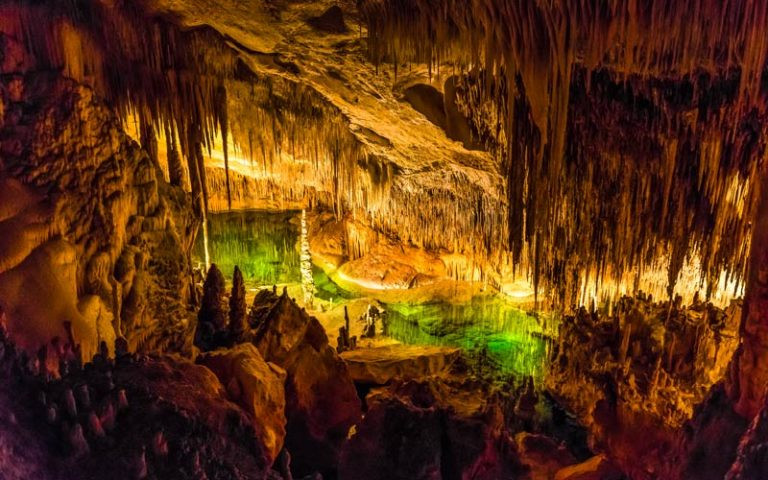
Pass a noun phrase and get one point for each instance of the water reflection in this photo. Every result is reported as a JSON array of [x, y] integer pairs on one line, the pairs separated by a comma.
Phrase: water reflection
[[263, 244], [498, 336]]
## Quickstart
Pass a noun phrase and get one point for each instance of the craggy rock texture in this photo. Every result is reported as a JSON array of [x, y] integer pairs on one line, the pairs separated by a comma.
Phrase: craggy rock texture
[[625, 135], [132, 418], [749, 375], [752, 456], [635, 377], [356, 254], [321, 400], [709, 440], [92, 235], [427, 429], [255, 385], [211, 331], [542, 455]]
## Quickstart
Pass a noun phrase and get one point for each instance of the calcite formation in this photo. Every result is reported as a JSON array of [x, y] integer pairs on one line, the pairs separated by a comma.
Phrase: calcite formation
[[600, 163], [646, 364], [93, 238], [426, 429]]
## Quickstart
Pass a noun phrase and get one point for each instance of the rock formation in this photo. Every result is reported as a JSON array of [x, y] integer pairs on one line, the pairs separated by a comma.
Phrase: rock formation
[[135, 417], [257, 386], [588, 151], [211, 330], [237, 307], [321, 400], [93, 234], [426, 429], [647, 362]]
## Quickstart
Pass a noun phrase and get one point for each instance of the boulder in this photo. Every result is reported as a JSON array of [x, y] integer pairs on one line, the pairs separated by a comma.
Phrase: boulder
[[255, 385], [321, 400], [430, 429]]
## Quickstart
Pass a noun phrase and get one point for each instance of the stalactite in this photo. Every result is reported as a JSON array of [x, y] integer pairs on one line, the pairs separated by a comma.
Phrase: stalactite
[[175, 168], [221, 105], [149, 138], [629, 134]]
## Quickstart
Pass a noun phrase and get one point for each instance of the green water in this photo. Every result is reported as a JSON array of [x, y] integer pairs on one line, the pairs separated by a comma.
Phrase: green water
[[497, 336], [262, 244]]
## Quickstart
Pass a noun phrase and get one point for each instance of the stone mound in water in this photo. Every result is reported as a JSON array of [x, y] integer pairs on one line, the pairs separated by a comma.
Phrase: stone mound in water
[[321, 400], [380, 365]]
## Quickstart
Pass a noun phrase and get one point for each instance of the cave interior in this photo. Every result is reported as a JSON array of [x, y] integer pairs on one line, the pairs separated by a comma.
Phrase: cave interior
[[384, 239]]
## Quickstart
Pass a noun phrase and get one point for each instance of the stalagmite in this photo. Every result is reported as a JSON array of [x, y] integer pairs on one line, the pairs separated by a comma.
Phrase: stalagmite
[[307, 281], [237, 307]]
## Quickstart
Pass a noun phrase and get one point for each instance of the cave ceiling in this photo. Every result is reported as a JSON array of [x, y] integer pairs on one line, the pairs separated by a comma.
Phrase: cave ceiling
[[572, 143]]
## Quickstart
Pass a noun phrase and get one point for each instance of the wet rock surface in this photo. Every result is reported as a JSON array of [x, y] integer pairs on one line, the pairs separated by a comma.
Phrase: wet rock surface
[[379, 365]]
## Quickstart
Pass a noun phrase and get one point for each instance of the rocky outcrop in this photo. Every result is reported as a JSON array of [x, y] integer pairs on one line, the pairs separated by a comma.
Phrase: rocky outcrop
[[211, 331], [255, 385], [428, 429], [709, 440], [543, 455], [237, 307], [749, 375], [752, 455], [133, 418], [321, 400], [363, 258], [644, 369]]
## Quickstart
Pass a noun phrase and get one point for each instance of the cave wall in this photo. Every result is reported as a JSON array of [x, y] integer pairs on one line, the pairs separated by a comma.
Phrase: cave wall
[[93, 236]]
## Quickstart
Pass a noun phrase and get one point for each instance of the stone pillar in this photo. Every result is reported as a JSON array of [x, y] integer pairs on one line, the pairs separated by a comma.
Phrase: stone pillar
[[749, 371]]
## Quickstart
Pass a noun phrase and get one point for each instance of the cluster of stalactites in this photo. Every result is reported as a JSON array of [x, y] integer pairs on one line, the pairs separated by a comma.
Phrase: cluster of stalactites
[[171, 79], [187, 87], [655, 161]]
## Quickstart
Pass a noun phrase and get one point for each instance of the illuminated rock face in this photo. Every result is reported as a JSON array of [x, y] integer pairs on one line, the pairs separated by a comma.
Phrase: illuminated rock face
[[257, 386], [94, 237], [588, 151]]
